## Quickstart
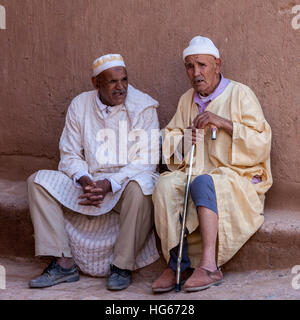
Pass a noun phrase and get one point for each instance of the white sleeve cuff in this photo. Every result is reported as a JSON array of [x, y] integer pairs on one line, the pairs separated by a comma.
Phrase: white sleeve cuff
[[115, 187]]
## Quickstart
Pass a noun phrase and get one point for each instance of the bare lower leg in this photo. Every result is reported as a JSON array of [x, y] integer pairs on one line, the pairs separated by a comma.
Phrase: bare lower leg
[[66, 263], [208, 221]]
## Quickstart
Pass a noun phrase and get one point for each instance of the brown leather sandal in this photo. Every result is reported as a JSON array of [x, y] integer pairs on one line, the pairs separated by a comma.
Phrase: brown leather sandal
[[202, 279], [166, 282]]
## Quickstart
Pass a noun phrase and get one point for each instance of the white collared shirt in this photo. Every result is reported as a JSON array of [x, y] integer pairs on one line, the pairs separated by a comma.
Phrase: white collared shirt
[[106, 110], [115, 187]]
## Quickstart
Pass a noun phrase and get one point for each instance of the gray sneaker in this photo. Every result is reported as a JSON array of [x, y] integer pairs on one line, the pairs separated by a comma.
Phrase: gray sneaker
[[119, 279], [55, 274]]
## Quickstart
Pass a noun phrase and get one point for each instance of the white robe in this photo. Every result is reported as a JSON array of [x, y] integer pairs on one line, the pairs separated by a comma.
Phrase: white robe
[[80, 150]]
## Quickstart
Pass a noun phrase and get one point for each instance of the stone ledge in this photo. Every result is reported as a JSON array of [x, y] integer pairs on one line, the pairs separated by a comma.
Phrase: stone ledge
[[275, 245]]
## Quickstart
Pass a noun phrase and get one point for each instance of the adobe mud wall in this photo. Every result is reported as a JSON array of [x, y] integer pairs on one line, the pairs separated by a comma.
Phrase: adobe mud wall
[[48, 47]]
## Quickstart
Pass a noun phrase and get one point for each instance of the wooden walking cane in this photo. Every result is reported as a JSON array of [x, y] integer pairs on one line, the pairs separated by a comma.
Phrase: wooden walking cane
[[186, 197], [179, 258]]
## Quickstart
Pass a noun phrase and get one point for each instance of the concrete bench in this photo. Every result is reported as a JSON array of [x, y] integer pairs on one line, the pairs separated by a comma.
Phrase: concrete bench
[[276, 245]]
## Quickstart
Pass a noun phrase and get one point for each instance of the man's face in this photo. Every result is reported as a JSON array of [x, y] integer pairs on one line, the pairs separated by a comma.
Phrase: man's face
[[204, 72], [112, 85]]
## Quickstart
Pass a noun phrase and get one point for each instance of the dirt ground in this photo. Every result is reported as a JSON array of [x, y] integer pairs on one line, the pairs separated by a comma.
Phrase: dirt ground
[[254, 285]]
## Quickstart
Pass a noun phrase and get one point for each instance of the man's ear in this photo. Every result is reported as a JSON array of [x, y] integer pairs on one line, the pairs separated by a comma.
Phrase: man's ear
[[218, 65], [95, 82]]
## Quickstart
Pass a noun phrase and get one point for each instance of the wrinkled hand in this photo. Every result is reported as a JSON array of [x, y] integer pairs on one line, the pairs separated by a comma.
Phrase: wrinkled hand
[[94, 192], [196, 137], [85, 182], [208, 119]]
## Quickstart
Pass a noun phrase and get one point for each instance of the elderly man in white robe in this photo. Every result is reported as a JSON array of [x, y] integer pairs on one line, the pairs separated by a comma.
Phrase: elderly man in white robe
[[102, 169]]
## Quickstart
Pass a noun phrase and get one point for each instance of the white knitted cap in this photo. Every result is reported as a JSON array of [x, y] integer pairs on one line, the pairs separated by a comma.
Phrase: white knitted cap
[[201, 45], [106, 62]]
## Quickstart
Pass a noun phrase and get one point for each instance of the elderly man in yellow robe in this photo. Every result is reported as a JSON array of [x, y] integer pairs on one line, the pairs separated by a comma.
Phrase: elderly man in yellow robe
[[230, 175]]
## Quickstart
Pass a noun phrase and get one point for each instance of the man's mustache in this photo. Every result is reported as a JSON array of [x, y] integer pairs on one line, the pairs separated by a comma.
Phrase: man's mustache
[[197, 79], [123, 91]]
